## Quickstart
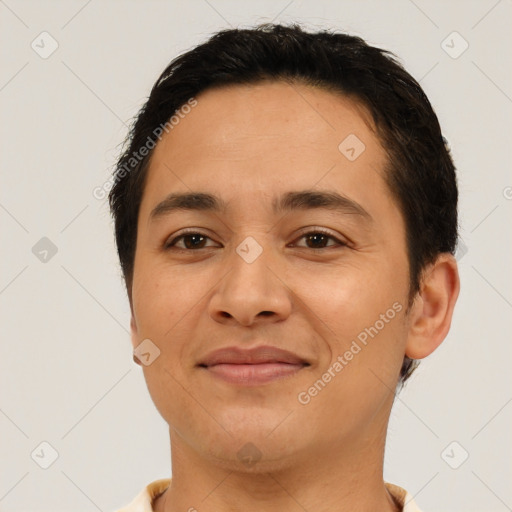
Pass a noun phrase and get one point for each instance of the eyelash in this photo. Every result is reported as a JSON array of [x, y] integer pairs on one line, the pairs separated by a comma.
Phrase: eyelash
[[170, 245]]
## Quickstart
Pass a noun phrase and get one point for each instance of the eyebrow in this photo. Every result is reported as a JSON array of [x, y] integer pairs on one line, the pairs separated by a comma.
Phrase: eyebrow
[[290, 201]]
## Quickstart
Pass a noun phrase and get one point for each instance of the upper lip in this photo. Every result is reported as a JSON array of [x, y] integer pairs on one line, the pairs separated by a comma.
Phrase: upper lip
[[256, 355]]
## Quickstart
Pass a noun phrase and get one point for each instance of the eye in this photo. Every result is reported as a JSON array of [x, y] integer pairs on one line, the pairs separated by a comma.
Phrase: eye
[[191, 240], [319, 238]]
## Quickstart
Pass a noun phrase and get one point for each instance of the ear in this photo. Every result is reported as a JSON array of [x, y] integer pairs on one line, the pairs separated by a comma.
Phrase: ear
[[432, 310], [134, 333]]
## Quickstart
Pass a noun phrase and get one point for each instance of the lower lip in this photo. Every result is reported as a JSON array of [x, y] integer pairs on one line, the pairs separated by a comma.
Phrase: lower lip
[[253, 374]]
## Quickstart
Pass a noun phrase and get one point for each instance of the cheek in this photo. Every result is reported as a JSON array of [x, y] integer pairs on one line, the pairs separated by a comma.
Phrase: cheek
[[349, 298], [354, 387], [165, 298], [362, 329], [167, 303]]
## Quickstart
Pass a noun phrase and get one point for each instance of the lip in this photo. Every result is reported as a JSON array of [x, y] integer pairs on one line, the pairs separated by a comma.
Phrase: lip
[[252, 367]]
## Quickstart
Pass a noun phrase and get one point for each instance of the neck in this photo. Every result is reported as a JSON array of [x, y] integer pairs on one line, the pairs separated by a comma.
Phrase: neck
[[345, 478]]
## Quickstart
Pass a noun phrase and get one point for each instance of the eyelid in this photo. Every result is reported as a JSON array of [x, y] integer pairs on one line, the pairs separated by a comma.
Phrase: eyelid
[[180, 234], [340, 240]]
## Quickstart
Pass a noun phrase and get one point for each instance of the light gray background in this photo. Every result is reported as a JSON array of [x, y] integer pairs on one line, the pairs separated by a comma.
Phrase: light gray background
[[66, 371]]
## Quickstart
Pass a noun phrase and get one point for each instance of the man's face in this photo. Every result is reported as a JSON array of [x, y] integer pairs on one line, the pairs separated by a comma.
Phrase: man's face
[[328, 285]]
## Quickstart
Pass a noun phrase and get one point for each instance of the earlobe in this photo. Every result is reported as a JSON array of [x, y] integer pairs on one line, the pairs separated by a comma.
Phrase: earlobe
[[432, 311]]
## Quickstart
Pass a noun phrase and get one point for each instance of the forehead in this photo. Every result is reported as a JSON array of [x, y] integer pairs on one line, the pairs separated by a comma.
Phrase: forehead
[[235, 120], [251, 142]]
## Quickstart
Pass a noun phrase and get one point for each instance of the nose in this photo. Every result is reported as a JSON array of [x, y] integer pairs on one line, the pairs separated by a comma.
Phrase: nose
[[251, 292]]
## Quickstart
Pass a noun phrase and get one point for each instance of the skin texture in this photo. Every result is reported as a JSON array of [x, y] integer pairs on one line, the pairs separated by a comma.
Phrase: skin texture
[[248, 145]]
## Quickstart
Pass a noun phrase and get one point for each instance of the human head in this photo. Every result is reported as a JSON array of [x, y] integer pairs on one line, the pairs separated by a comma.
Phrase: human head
[[420, 173]]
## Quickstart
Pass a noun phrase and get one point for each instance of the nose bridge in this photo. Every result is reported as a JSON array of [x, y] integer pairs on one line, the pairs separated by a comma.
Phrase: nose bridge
[[250, 263], [250, 287]]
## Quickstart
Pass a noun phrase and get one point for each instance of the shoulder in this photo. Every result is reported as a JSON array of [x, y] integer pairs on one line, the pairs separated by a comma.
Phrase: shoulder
[[402, 498], [143, 502]]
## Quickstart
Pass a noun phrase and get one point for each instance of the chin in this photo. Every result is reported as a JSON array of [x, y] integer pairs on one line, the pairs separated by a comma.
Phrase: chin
[[255, 442], [260, 457]]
